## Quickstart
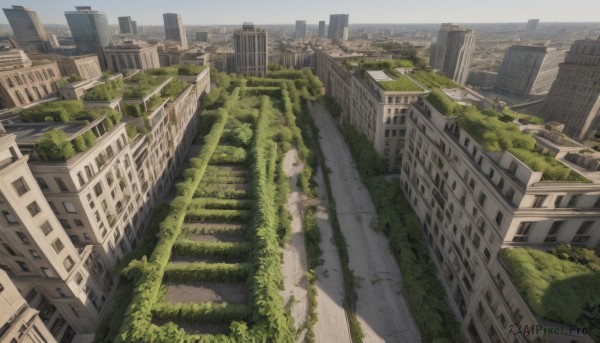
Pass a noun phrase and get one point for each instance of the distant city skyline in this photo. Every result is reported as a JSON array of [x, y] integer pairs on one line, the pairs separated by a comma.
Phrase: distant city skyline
[[265, 12]]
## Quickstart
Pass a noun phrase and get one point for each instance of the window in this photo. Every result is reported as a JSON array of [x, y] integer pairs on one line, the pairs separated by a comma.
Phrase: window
[[23, 237], [80, 178], [486, 254], [64, 223], [33, 209], [35, 254], [11, 252], [109, 178], [499, 218], [86, 237], [573, 200], [522, 234], [553, 232], [98, 189], [78, 278], [20, 186], [582, 234], [42, 183], [23, 266], [476, 241], [10, 218], [481, 199], [68, 263], [558, 201], [513, 167], [538, 201], [78, 222], [69, 207], [57, 245], [61, 184]]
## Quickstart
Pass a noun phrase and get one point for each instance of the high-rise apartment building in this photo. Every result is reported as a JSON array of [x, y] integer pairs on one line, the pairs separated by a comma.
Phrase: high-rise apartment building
[[90, 31], [473, 203], [174, 30], [532, 24], [28, 30], [300, 29], [250, 46], [321, 28], [126, 25], [67, 221], [452, 52], [203, 36], [338, 26], [528, 70], [377, 111], [134, 28], [131, 55], [574, 98]]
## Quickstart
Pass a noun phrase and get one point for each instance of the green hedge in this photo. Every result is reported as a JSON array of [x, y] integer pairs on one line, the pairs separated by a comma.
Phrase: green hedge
[[64, 110], [55, 146], [223, 204], [106, 91], [228, 250], [210, 272], [204, 312], [208, 215], [221, 193], [228, 155]]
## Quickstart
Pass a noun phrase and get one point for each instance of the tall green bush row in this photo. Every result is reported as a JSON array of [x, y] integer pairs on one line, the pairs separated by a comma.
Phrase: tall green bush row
[[210, 272], [204, 312]]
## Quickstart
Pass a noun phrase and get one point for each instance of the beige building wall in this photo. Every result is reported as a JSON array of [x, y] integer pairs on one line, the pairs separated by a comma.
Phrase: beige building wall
[[251, 55], [87, 66], [131, 56], [20, 322], [19, 87], [472, 204]]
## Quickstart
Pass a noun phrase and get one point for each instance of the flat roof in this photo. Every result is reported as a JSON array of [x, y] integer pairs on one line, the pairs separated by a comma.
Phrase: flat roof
[[29, 133], [379, 75]]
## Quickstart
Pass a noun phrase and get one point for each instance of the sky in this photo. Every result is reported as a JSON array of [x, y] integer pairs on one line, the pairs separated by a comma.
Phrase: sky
[[226, 12]]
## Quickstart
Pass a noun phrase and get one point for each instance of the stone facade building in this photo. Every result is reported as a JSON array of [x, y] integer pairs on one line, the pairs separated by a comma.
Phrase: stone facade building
[[251, 54], [574, 98], [528, 70], [22, 86], [452, 52], [472, 203], [131, 55]]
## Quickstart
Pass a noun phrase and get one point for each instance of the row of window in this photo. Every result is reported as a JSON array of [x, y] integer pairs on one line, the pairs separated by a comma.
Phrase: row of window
[[582, 235]]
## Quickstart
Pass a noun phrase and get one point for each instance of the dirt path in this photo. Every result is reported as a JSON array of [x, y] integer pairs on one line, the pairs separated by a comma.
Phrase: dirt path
[[332, 325], [294, 252], [381, 309]]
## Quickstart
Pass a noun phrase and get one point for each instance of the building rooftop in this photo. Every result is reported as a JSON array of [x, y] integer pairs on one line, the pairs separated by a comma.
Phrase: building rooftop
[[379, 75]]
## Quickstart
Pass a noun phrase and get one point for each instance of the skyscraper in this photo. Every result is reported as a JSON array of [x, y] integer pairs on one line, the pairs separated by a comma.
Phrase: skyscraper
[[574, 98], [338, 26], [300, 29], [28, 29], [126, 25], [134, 29], [250, 45], [90, 31], [529, 70], [321, 28], [532, 24], [452, 52], [174, 29]]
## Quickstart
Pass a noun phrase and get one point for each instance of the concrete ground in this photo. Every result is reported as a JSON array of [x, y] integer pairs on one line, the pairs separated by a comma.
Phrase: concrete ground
[[381, 309]]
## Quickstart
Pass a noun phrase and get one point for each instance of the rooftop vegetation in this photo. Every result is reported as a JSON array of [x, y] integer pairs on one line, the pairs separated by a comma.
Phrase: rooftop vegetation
[[64, 111], [487, 128], [433, 80], [142, 83], [556, 288], [55, 146], [174, 88], [400, 83], [106, 91], [190, 70]]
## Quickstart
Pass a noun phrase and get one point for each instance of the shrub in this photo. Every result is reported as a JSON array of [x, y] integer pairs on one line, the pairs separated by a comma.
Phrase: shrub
[[79, 143], [210, 272], [228, 250], [55, 146], [89, 138], [203, 312], [228, 154], [132, 110]]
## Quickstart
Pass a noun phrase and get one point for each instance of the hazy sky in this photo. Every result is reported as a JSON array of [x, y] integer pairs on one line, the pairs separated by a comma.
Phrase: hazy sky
[[209, 12]]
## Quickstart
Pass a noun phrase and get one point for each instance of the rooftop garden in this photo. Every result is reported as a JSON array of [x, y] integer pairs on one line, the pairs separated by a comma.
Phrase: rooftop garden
[[561, 286], [55, 145], [106, 91], [190, 70], [487, 128], [433, 80], [142, 83], [400, 83]]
